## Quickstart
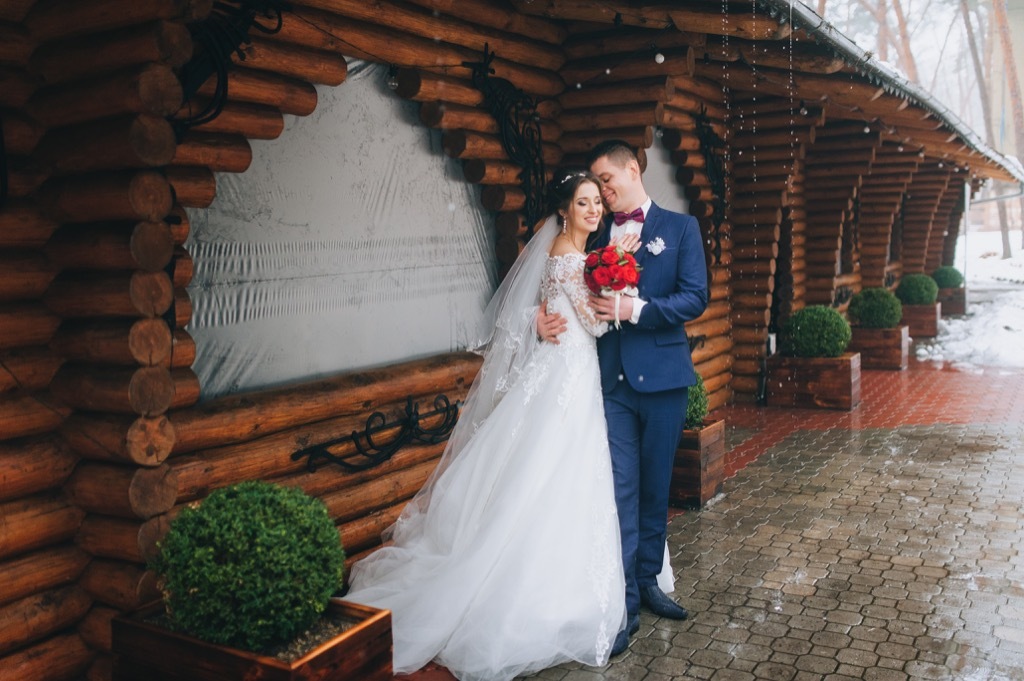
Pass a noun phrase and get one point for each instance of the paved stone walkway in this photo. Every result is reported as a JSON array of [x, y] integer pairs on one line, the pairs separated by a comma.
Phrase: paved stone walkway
[[881, 544]]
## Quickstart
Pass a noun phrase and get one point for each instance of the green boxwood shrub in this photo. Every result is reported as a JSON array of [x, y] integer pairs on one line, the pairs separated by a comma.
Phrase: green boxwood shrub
[[696, 405], [253, 565], [815, 331], [875, 308], [917, 289], [948, 276]]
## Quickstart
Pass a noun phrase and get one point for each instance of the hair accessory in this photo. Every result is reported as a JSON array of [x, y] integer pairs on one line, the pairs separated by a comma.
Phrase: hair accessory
[[570, 176]]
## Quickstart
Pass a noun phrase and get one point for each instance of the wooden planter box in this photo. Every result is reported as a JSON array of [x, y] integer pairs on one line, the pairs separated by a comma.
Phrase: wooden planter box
[[824, 382], [699, 466], [882, 348], [146, 652], [953, 301], [923, 320]]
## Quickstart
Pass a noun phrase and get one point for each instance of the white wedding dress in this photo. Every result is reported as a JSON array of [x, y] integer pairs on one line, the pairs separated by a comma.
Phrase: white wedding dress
[[512, 562]]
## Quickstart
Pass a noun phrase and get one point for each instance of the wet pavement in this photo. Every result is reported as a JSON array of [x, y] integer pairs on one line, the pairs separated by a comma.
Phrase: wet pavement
[[879, 544]]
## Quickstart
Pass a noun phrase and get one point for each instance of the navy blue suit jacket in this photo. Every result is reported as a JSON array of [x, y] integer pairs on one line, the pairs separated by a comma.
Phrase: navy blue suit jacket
[[654, 354]]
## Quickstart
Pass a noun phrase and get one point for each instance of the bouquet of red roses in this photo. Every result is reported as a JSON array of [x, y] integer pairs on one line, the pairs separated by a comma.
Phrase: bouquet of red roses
[[611, 271]]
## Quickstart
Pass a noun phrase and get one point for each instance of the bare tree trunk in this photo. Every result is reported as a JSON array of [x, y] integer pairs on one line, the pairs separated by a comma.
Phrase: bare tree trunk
[[821, 8], [986, 110], [903, 45], [1002, 25], [883, 32]]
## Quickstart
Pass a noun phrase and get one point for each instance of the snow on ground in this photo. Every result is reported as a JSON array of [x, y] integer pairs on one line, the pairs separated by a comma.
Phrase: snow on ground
[[992, 332]]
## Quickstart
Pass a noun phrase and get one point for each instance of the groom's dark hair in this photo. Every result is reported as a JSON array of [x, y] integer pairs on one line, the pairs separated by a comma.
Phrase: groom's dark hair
[[618, 151]]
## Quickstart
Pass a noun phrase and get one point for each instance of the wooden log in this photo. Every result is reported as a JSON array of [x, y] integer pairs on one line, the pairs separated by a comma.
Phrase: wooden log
[[581, 142], [218, 152], [16, 87], [36, 521], [616, 69], [423, 86], [32, 465], [61, 657], [183, 350], [161, 42], [152, 89], [125, 586], [507, 250], [712, 347], [452, 30], [510, 225], [25, 324], [95, 630], [289, 95], [709, 328], [377, 494], [466, 145], [128, 540], [124, 195], [254, 121], [24, 177], [632, 115], [269, 457], [181, 308], [23, 414], [127, 294], [482, 171], [193, 186], [486, 13], [502, 198], [679, 140], [123, 491], [112, 246], [21, 134], [364, 532], [22, 225], [237, 419], [147, 390], [24, 275], [34, 617], [182, 268], [653, 90], [294, 61], [16, 44], [124, 343], [186, 388], [41, 570], [51, 21], [714, 366], [110, 437], [27, 369], [135, 141]]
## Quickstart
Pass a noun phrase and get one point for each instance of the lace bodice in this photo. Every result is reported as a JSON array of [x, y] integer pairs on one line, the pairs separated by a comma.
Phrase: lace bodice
[[566, 292]]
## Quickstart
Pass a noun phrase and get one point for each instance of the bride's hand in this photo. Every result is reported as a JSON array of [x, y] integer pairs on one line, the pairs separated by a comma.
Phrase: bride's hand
[[628, 242]]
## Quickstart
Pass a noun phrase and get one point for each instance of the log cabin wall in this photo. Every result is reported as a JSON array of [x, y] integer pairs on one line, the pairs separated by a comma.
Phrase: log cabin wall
[[880, 199], [100, 437], [920, 210], [840, 157]]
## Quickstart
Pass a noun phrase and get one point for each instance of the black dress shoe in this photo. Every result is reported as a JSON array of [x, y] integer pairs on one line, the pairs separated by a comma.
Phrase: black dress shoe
[[622, 640], [655, 600]]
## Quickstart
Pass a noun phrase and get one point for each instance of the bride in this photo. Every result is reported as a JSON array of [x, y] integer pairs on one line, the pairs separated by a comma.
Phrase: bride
[[508, 560]]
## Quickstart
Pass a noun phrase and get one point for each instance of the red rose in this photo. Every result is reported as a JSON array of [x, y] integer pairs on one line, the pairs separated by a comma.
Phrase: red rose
[[592, 259], [616, 272], [609, 256], [602, 277], [630, 276], [618, 285], [630, 259], [591, 284]]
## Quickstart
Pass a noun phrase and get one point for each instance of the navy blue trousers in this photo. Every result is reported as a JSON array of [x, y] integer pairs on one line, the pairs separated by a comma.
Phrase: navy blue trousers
[[643, 432]]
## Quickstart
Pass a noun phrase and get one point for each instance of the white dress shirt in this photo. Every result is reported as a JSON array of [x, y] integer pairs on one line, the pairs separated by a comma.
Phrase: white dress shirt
[[633, 227]]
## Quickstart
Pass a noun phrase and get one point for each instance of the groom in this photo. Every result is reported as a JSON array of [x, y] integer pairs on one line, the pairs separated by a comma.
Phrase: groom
[[645, 370]]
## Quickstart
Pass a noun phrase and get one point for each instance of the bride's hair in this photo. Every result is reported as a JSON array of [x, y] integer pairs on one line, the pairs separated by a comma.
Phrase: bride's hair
[[563, 186]]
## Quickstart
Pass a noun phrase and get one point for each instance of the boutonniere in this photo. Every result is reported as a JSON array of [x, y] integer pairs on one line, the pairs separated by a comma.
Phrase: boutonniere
[[656, 246]]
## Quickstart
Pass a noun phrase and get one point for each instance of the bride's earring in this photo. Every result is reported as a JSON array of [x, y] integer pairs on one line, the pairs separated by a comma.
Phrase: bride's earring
[[564, 221]]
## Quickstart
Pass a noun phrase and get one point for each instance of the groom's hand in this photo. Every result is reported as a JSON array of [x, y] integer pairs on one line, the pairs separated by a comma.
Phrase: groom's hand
[[549, 326]]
